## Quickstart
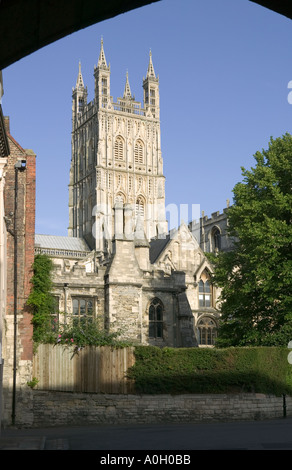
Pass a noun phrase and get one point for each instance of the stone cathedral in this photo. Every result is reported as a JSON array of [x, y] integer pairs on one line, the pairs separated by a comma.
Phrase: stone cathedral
[[119, 263]]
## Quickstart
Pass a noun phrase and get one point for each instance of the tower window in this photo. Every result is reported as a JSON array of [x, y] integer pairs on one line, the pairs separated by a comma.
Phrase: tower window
[[119, 149], [80, 105], [104, 86], [139, 152], [156, 319], [152, 97]]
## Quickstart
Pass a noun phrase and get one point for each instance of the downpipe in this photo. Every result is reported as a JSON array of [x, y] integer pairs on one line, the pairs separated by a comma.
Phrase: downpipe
[[20, 165]]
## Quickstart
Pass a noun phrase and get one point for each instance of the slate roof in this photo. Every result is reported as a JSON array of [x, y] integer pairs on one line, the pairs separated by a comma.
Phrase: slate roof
[[157, 245], [61, 242], [57, 242]]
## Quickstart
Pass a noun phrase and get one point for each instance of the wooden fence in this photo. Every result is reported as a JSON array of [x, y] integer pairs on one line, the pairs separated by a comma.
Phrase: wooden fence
[[93, 369]]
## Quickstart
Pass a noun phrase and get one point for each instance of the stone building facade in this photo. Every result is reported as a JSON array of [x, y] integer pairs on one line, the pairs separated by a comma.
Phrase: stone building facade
[[213, 231], [119, 263], [116, 158]]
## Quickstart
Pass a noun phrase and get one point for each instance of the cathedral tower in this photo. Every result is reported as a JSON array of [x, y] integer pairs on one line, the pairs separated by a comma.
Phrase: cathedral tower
[[116, 175]]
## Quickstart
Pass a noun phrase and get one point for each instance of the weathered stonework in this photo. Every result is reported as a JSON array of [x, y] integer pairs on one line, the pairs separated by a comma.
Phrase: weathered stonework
[[70, 409], [116, 157]]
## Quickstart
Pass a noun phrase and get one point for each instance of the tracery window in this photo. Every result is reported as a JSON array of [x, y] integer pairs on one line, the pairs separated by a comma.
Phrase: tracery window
[[119, 148], [205, 294], [156, 319], [216, 238], [139, 152], [207, 331]]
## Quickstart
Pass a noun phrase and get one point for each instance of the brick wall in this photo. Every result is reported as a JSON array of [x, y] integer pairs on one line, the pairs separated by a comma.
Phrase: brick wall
[[20, 240], [29, 242], [19, 206]]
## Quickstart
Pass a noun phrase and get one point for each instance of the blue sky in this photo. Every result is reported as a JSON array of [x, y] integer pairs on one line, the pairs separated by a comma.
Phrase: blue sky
[[224, 68]]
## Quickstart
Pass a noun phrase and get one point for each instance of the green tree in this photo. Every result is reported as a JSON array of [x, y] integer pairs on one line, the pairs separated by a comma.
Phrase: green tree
[[40, 299], [256, 276]]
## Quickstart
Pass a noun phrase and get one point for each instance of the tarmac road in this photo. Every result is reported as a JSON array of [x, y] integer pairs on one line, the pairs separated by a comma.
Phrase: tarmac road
[[251, 435]]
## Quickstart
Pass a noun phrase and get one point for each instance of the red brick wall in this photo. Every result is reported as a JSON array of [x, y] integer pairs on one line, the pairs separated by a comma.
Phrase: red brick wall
[[21, 232], [26, 326]]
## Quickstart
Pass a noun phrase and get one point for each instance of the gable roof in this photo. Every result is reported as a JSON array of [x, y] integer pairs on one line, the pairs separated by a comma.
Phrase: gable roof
[[157, 246]]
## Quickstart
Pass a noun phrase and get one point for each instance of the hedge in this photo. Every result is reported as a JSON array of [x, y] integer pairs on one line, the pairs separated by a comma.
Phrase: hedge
[[197, 370]]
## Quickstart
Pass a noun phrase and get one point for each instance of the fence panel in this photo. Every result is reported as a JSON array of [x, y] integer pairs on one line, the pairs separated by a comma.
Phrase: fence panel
[[93, 369]]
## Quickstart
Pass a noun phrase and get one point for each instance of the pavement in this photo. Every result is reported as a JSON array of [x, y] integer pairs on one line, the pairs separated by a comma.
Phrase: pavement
[[188, 437], [22, 443], [16, 440]]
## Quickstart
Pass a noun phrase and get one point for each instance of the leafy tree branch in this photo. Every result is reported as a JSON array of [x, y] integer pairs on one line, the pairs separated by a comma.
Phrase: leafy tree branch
[[256, 277]]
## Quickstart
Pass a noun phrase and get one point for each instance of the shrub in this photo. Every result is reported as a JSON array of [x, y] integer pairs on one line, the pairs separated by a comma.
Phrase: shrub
[[87, 334], [40, 299], [198, 370]]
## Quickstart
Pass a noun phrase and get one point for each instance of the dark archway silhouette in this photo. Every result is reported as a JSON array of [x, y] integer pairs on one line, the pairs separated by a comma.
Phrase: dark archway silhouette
[[29, 25]]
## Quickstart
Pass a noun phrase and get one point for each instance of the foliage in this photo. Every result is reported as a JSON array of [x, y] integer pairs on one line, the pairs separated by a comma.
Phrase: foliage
[[204, 370], [87, 334], [32, 383], [81, 334], [256, 277], [46, 328], [40, 299]]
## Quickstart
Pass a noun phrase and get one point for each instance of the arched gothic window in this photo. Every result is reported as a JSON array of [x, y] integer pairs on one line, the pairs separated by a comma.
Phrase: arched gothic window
[[119, 148], [80, 105], [155, 319], [139, 152], [216, 239], [205, 294], [207, 331]]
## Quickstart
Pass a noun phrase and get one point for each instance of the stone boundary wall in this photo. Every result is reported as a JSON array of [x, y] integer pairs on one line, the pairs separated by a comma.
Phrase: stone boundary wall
[[66, 408]]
